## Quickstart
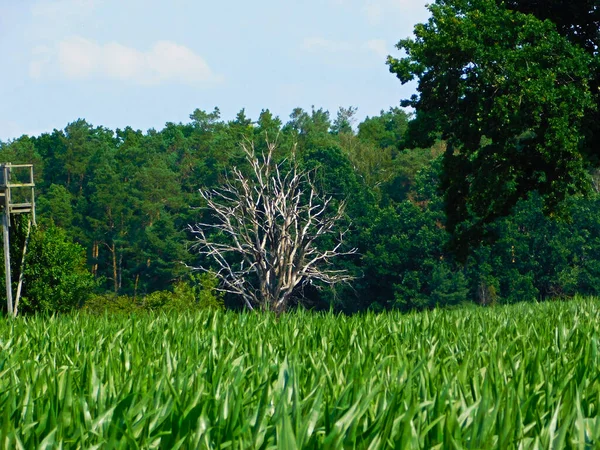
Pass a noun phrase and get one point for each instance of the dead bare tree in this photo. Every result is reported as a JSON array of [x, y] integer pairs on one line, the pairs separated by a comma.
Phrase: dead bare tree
[[272, 221]]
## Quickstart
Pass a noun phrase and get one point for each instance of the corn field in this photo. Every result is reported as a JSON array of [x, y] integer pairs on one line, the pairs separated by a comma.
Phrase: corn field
[[525, 376]]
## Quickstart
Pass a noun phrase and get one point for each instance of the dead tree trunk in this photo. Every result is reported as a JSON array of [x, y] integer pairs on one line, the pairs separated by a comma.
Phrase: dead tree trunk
[[273, 220]]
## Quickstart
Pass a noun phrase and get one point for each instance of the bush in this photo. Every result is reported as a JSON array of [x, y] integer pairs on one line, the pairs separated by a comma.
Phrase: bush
[[56, 279], [181, 299], [111, 304], [205, 291], [198, 294]]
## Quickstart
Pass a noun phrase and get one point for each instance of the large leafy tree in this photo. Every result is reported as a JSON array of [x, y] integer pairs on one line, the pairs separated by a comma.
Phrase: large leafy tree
[[511, 96], [578, 20]]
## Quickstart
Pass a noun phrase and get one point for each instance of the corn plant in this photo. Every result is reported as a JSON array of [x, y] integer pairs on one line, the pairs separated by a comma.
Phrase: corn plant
[[524, 376]]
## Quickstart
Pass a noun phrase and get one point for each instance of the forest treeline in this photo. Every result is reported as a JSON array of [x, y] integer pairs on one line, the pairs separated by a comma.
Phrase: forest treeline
[[127, 197]]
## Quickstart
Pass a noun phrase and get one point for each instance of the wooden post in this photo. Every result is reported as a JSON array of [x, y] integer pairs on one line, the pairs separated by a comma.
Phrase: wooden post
[[5, 224], [10, 208], [32, 181], [21, 271]]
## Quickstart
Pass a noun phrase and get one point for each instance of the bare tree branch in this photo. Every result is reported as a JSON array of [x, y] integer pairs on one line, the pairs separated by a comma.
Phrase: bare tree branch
[[272, 221]]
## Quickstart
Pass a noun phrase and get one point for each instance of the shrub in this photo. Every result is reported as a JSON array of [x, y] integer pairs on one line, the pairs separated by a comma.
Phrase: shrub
[[56, 279], [111, 304], [198, 294]]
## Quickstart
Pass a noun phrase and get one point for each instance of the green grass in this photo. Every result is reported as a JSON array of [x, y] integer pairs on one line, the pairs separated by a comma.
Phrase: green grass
[[526, 376]]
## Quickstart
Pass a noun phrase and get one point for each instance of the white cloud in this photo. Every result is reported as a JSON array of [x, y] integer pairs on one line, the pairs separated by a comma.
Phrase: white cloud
[[77, 58], [80, 58]]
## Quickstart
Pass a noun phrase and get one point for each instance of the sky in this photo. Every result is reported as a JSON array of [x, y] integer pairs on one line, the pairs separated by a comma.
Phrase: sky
[[142, 63]]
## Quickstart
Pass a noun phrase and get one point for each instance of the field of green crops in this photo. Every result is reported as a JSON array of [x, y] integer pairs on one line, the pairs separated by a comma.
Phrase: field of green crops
[[526, 376]]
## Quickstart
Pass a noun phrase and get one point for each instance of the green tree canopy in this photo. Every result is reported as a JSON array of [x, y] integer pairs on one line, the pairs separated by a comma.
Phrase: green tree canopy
[[510, 95]]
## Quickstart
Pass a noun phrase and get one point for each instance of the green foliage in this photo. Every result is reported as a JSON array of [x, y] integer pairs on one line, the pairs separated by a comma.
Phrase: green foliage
[[533, 256], [448, 288], [56, 279], [204, 288], [57, 204], [344, 121], [127, 197], [409, 269], [510, 95], [388, 130], [186, 297], [522, 376], [199, 294], [403, 182], [110, 304], [406, 264]]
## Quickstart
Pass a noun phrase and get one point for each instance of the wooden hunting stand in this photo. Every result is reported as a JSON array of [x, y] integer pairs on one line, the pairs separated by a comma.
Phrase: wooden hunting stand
[[17, 196]]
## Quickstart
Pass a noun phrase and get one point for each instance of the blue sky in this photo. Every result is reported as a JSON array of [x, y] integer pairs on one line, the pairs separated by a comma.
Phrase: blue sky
[[143, 63]]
